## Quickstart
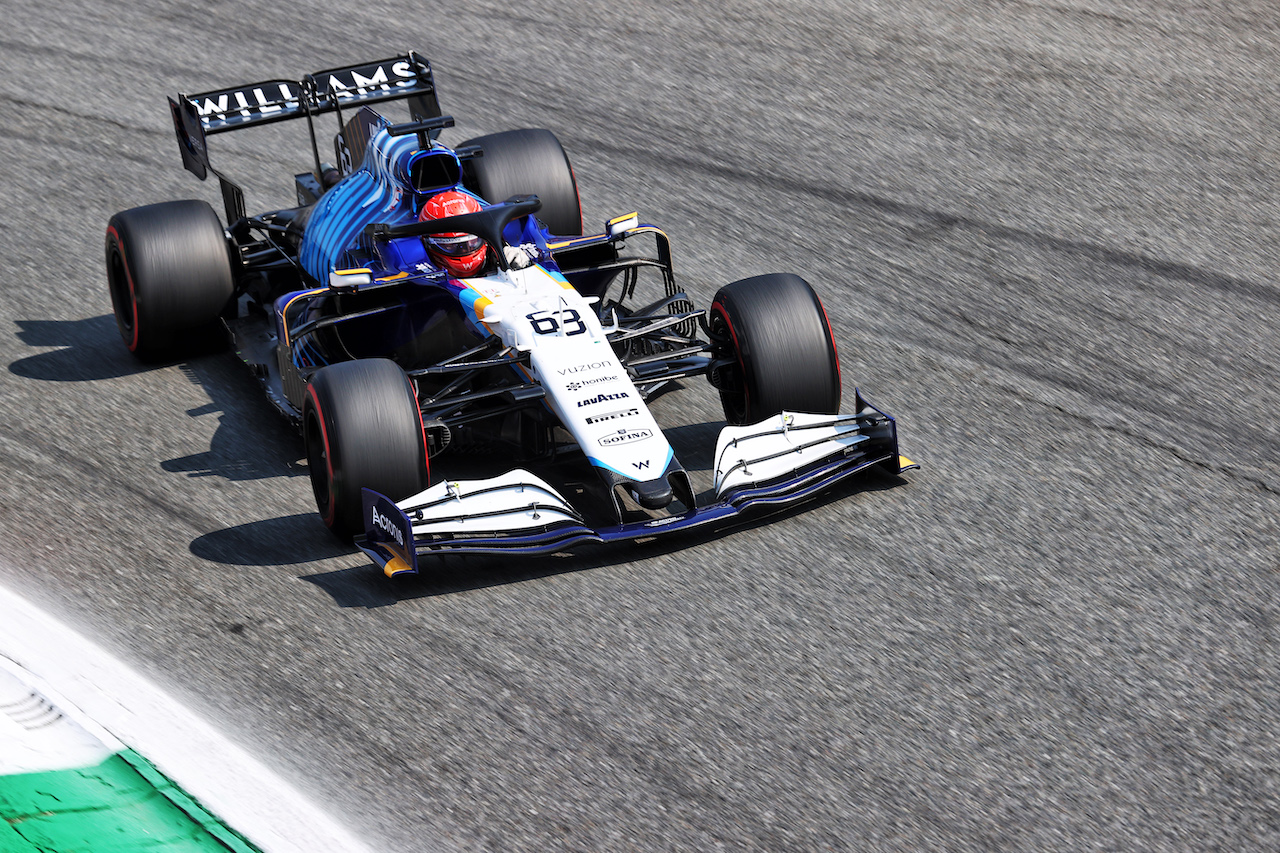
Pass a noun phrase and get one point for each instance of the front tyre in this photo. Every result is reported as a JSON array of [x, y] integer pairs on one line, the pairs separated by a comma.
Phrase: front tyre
[[518, 162], [169, 273], [782, 354], [362, 429]]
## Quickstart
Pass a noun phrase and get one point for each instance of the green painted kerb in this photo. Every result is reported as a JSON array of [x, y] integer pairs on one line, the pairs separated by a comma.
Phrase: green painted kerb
[[122, 804]]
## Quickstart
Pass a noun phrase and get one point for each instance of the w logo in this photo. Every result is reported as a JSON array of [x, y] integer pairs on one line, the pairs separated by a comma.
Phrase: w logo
[[640, 466]]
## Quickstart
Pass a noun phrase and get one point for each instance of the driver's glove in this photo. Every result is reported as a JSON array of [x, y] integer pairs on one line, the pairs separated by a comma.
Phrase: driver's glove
[[517, 258]]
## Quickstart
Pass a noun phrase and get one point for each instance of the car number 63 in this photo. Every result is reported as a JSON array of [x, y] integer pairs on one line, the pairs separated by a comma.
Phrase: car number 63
[[549, 322]]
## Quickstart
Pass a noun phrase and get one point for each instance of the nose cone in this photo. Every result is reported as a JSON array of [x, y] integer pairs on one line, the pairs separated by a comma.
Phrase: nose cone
[[652, 494]]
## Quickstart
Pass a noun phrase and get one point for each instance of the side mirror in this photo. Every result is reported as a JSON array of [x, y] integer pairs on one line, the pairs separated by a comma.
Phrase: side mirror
[[620, 225], [352, 279]]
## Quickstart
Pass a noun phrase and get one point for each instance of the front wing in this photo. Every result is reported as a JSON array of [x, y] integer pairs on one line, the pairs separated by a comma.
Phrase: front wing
[[785, 459]]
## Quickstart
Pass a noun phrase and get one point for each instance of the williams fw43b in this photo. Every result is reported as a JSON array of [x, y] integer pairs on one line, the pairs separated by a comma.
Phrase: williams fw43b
[[424, 305]]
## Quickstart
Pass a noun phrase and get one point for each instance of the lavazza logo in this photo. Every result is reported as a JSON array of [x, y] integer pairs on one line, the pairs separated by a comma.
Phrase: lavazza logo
[[574, 386], [610, 416], [625, 436], [603, 398]]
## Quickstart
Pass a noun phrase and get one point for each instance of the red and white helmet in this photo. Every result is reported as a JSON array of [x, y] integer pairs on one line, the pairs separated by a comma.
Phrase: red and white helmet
[[460, 254]]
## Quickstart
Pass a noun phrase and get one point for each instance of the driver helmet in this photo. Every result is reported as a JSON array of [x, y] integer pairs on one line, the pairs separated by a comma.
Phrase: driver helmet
[[460, 254]]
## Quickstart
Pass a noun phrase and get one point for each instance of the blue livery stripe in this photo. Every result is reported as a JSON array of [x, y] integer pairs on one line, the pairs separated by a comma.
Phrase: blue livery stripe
[[372, 193]]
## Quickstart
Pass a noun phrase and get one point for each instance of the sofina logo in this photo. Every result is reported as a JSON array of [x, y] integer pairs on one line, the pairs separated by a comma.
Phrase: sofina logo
[[625, 436], [602, 398]]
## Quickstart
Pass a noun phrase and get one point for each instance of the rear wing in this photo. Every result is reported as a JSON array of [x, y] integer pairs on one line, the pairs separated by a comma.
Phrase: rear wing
[[255, 104]]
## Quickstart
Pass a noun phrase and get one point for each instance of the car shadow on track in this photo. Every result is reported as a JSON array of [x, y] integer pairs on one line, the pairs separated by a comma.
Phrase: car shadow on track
[[285, 541], [88, 350], [366, 586], [251, 442]]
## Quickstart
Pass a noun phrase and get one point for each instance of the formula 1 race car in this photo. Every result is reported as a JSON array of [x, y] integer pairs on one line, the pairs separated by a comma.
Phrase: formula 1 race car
[[422, 301]]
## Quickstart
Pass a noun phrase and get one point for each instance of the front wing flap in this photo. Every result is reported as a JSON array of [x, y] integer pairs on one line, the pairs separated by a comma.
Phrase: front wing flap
[[788, 458]]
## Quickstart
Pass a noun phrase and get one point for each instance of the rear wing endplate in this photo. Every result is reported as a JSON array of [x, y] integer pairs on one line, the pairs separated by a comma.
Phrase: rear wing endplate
[[256, 104]]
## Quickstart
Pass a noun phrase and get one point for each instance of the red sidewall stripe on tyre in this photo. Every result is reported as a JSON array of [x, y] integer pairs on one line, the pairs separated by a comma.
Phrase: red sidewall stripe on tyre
[[831, 336], [422, 429], [717, 308], [128, 276], [331, 514]]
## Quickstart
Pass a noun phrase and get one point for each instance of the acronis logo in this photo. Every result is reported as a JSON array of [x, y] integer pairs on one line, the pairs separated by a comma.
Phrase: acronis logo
[[388, 525]]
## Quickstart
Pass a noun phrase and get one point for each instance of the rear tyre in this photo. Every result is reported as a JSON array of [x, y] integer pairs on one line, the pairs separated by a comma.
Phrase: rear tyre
[[170, 278], [362, 429], [784, 355], [518, 162]]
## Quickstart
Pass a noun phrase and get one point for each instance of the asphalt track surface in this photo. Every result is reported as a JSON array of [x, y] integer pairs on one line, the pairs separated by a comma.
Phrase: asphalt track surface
[[1046, 236]]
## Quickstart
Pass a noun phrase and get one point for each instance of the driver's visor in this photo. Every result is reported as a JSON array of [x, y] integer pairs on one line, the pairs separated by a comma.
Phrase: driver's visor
[[455, 245]]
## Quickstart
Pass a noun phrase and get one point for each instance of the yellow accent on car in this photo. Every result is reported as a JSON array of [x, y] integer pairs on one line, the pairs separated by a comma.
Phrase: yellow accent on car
[[648, 229], [284, 313], [561, 281], [396, 566], [589, 238]]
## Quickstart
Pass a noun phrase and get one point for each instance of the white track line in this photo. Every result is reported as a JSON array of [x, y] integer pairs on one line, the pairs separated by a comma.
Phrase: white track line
[[113, 703]]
